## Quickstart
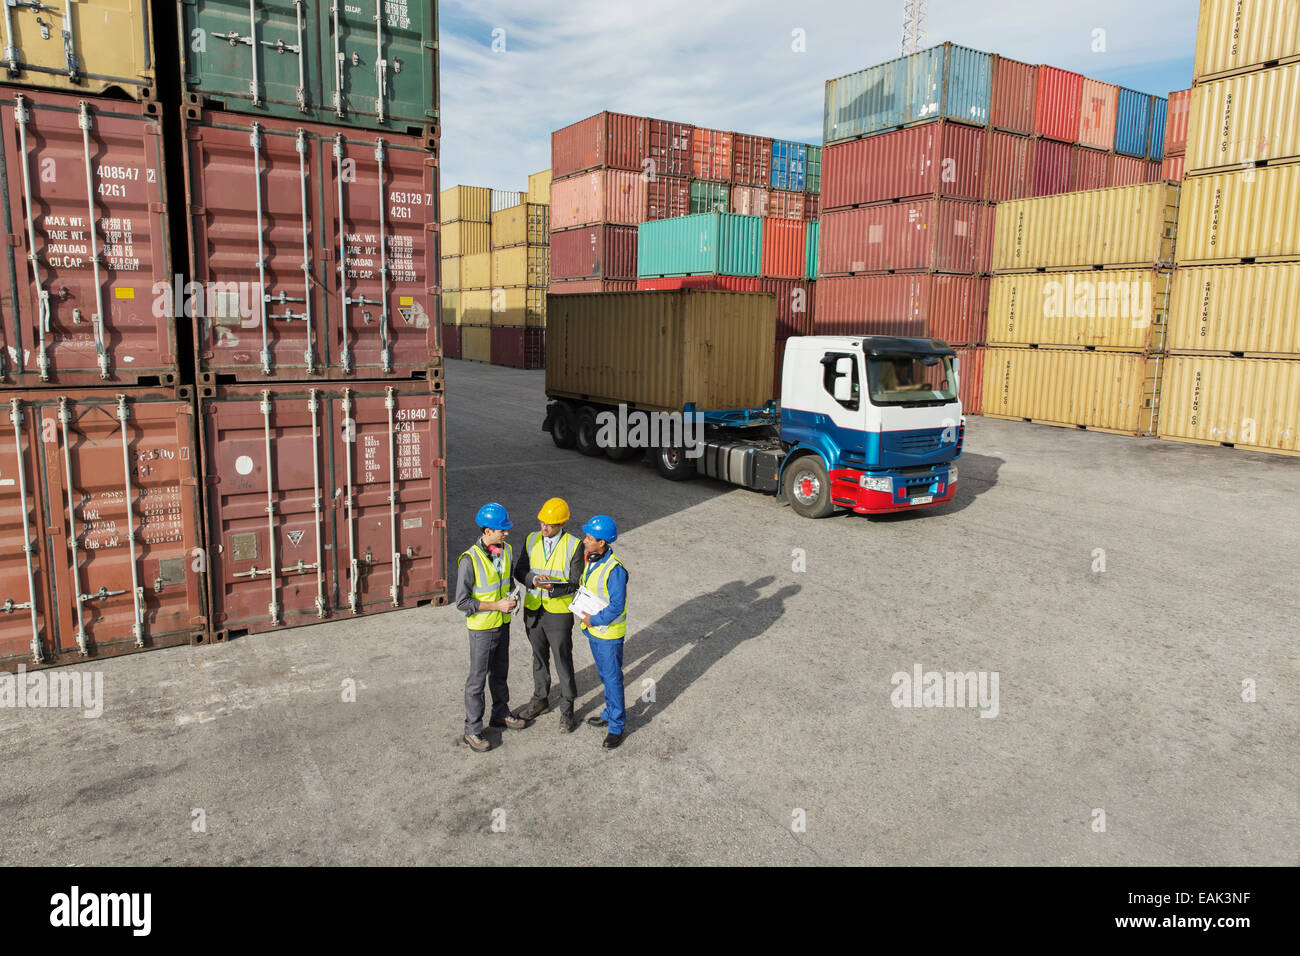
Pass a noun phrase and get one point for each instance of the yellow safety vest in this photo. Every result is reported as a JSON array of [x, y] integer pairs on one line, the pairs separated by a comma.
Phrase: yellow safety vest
[[489, 585], [597, 582], [561, 557]]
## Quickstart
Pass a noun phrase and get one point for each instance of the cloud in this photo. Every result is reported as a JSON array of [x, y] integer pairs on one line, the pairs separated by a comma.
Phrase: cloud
[[731, 64]]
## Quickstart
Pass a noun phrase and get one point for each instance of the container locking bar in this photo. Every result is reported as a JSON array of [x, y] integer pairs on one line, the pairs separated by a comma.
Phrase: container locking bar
[[345, 356], [137, 592], [349, 439], [72, 526], [395, 591], [97, 320], [16, 417], [338, 62], [381, 65], [255, 139], [313, 405], [69, 50], [300, 144], [385, 355], [21, 117], [274, 607]]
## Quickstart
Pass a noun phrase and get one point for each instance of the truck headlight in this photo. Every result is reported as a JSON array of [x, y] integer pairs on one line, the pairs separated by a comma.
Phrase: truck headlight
[[952, 475], [872, 483]]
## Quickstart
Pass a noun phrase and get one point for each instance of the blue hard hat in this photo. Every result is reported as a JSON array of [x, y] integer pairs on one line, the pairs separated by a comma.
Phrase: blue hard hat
[[493, 515], [602, 528]]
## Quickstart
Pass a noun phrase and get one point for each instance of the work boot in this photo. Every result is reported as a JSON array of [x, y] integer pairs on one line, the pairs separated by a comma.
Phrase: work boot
[[534, 709], [514, 723], [566, 722], [612, 741], [598, 721], [477, 743]]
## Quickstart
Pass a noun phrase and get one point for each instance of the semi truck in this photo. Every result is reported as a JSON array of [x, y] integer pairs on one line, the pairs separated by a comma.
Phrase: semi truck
[[866, 423]]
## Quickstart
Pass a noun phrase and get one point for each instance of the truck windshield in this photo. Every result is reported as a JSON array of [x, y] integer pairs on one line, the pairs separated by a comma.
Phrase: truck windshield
[[911, 380]]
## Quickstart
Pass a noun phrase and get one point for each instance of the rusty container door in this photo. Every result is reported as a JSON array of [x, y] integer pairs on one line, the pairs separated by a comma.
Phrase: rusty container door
[[118, 482], [322, 502], [87, 260], [24, 585]]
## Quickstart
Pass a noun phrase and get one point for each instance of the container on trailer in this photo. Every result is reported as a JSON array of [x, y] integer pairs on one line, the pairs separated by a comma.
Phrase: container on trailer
[[1012, 105], [468, 203], [525, 223], [711, 154], [710, 197], [1097, 111], [1246, 309], [1243, 120], [1133, 123], [1091, 169], [1058, 101], [521, 266], [323, 501], [936, 159], [519, 348], [751, 159], [669, 149], [602, 195], [1247, 214], [1008, 173], [1237, 36], [612, 140], [465, 238], [942, 235], [1249, 403], [539, 187], [476, 343], [666, 197], [789, 165], [1124, 309], [705, 244], [813, 180], [594, 252], [1053, 167], [917, 305]]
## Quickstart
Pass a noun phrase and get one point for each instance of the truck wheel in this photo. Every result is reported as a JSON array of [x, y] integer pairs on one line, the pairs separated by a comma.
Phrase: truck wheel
[[563, 426], [673, 464], [585, 433], [808, 487]]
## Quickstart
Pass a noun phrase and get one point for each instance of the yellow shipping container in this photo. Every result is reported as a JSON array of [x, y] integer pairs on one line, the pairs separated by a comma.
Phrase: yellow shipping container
[[520, 306], [471, 203], [526, 223], [1250, 213], [466, 238], [450, 308], [522, 266], [475, 343], [1250, 403], [1245, 119], [476, 271], [539, 187], [1234, 36], [1251, 309], [111, 41], [475, 307], [1106, 391], [451, 278], [1107, 309], [1127, 225]]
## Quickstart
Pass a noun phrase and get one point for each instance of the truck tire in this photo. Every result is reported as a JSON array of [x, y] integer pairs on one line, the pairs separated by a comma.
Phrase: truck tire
[[563, 426], [808, 487], [584, 433], [673, 464]]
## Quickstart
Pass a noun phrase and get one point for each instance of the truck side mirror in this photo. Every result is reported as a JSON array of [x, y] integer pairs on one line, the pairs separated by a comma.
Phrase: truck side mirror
[[843, 379]]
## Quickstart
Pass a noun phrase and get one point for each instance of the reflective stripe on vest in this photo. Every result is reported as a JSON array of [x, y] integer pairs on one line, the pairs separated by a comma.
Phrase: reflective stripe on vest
[[561, 557], [597, 583], [489, 585]]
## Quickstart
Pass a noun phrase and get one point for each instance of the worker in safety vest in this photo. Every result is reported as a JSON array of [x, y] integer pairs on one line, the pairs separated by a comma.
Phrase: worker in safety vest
[[483, 594], [606, 579], [549, 568]]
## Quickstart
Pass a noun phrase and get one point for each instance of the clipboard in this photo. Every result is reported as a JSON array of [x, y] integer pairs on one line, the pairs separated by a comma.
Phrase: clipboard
[[586, 602]]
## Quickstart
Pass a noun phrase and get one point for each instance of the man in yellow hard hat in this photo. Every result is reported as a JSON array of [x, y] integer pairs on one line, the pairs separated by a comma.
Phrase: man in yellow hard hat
[[549, 567]]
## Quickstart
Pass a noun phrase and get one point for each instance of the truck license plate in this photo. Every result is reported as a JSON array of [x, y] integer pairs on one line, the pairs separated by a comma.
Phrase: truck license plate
[[924, 500]]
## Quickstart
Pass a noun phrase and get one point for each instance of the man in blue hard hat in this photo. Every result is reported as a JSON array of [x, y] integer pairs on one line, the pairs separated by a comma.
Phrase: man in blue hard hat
[[605, 578], [483, 594]]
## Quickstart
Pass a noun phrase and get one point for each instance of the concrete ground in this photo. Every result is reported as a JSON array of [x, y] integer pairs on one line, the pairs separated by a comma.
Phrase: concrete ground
[[771, 736]]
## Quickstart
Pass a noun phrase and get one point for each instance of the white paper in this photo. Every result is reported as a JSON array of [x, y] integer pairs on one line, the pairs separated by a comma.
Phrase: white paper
[[585, 602]]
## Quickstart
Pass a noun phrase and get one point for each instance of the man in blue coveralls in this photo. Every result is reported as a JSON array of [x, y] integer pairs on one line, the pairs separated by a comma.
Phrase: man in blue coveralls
[[606, 578]]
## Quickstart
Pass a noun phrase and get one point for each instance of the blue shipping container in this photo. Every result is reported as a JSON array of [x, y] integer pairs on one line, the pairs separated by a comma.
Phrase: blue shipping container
[[1133, 123], [712, 243], [1159, 112], [789, 165]]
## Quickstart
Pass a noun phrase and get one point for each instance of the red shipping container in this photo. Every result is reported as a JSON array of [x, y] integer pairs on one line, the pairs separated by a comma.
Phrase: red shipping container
[[941, 235], [711, 154], [1180, 104], [1155, 170], [812, 207], [667, 198], [594, 252], [451, 341], [613, 140], [264, 199], [670, 149], [787, 205], [750, 200], [1057, 103], [1172, 168], [953, 308], [1008, 173], [1097, 112], [355, 473], [604, 195], [1053, 167], [796, 301], [935, 159], [592, 285], [784, 248], [970, 380], [519, 347], [1091, 167], [1126, 171], [751, 159], [1013, 96], [87, 291]]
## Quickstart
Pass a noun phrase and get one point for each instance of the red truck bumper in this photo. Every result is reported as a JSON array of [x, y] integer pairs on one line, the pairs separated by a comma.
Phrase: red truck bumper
[[847, 492]]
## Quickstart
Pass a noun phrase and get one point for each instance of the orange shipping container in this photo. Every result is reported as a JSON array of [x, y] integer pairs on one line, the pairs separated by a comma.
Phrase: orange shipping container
[[602, 196], [1097, 115], [783, 248], [786, 205]]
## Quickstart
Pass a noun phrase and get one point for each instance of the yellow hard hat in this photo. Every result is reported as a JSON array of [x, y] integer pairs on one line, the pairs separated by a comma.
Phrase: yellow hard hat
[[555, 511]]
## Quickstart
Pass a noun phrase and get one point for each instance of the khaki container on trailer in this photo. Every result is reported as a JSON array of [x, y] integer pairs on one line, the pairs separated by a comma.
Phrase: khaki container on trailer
[[466, 239], [526, 223], [1234, 36], [539, 187], [470, 203], [661, 350], [1114, 309], [1249, 309], [1248, 214], [1244, 119], [1249, 403]]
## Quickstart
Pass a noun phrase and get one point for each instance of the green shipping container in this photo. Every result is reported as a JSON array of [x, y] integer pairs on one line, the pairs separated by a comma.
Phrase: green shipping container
[[710, 197], [813, 181], [340, 63], [726, 244], [810, 250]]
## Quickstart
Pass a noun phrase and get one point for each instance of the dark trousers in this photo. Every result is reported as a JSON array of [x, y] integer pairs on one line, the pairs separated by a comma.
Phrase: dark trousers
[[549, 633], [489, 660]]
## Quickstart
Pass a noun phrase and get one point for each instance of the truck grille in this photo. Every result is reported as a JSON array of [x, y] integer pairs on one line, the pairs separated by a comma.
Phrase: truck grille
[[919, 444]]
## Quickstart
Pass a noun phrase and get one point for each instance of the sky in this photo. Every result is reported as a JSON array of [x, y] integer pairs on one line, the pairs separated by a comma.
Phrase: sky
[[513, 71]]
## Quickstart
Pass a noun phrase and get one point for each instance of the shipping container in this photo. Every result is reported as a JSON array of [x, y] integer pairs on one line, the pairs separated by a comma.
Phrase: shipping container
[[1012, 107], [1154, 171], [476, 343], [312, 248], [1127, 226], [606, 140], [789, 165], [1242, 309], [670, 150], [1091, 169], [506, 199], [350, 64], [464, 238], [604, 195], [813, 183], [519, 348], [521, 266], [753, 200], [1058, 102], [1053, 167], [594, 252], [751, 159], [577, 286], [519, 306], [1097, 113], [810, 249], [517, 225], [661, 350], [1159, 118], [666, 198], [451, 342], [937, 159], [942, 235], [710, 197], [1105, 391], [784, 205], [102, 546], [785, 247], [451, 274], [812, 207], [796, 304], [1237, 36], [711, 154], [450, 309], [81, 48], [716, 282], [1244, 120], [539, 187], [1180, 103], [84, 304], [866, 102], [1125, 171], [322, 502], [1133, 123], [1248, 214], [1009, 167], [476, 271], [476, 306], [1113, 309], [468, 203], [916, 305], [705, 244], [1249, 403], [970, 379], [1172, 168]]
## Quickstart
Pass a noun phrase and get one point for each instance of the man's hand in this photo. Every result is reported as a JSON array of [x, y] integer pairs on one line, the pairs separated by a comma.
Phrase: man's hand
[[505, 605], [543, 582], [585, 619]]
